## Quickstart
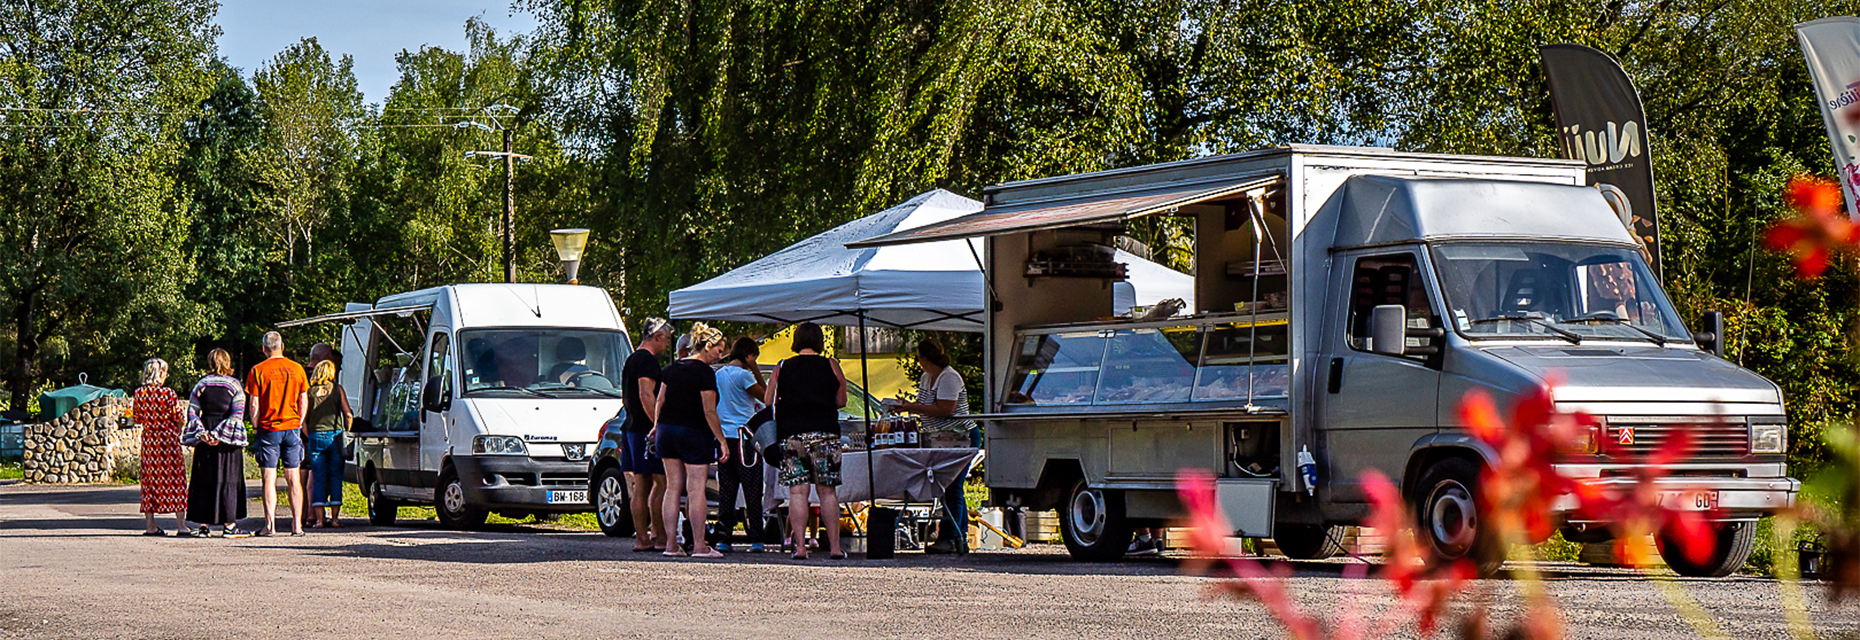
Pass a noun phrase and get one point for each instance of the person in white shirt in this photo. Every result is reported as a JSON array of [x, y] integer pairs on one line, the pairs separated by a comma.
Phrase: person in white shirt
[[943, 400]]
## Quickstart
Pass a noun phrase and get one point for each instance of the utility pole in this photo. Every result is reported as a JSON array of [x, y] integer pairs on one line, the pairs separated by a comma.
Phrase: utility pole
[[510, 211]]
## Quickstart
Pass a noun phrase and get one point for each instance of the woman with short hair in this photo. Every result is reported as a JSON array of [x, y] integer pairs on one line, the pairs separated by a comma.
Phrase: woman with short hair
[[216, 430], [164, 480], [689, 436], [807, 392], [329, 418]]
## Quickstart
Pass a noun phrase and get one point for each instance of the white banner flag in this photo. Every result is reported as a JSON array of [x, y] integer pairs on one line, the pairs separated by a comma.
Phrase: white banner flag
[[1832, 47]]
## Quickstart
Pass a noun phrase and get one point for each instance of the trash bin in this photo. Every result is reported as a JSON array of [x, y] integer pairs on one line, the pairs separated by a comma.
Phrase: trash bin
[[53, 404]]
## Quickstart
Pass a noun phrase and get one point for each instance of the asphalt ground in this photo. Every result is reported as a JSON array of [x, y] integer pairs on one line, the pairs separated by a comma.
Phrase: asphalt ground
[[72, 565]]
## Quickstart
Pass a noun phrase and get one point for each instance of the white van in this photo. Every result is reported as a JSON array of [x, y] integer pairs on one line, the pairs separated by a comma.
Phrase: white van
[[476, 398]]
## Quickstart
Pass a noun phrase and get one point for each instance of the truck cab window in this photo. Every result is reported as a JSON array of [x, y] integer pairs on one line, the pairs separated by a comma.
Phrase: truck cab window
[[542, 362], [1387, 279], [1563, 292]]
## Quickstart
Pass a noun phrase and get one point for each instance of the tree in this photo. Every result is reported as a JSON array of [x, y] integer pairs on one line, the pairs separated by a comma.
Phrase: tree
[[308, 107], [90, 221]]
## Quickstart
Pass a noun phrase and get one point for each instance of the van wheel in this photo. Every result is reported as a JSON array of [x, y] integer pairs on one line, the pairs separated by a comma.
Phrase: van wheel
[[611, 509], [381, 509], [449, 503], [1450, 518], [1308, 541], [1093, 524], [1730, 548]]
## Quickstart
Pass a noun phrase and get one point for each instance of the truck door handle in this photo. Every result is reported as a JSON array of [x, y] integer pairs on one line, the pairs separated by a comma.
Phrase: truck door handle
[[1336, 375]]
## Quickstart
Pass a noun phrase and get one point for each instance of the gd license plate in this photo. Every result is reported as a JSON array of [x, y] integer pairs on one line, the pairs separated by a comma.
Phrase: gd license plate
[[568, 497], [1690, 500]]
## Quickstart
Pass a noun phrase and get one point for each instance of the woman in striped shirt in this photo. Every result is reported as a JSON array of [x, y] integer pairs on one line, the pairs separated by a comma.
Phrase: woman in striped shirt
[[943, 400]]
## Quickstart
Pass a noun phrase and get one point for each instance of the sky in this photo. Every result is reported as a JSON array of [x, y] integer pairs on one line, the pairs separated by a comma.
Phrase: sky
[[252, 31]]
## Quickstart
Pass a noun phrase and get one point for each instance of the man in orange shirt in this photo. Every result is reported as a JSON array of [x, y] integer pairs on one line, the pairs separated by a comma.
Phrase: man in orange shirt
[[278, 395]]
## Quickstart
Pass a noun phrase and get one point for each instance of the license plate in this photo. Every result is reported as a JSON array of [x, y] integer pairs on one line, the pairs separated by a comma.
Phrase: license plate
[[1690, 500], [568, 497]]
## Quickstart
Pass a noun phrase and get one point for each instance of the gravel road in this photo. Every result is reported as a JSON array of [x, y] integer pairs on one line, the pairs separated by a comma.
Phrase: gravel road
[[72, 566]]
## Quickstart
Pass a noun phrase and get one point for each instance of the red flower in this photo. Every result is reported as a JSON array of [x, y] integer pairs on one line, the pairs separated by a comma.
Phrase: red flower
[[1817, 229]]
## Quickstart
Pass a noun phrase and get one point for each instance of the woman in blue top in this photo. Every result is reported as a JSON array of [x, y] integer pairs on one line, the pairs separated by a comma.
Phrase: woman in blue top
[[739, 392]]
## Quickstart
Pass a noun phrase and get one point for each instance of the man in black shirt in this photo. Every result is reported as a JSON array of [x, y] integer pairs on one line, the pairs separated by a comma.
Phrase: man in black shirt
[[645, 472]]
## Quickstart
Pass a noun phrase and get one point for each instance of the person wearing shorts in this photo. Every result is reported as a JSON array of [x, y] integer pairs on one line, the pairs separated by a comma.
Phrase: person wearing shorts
[[689, 436], [807, 391], [279, 396], [645, 473]]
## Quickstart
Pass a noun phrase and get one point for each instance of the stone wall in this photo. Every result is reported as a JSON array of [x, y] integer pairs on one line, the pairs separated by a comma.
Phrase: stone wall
[[88, 444]]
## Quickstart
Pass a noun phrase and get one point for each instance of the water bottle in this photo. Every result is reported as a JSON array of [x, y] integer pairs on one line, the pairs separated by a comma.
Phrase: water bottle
[[1307, 469]]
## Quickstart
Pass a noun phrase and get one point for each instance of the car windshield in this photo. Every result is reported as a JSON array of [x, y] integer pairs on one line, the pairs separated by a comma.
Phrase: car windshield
[[1554, 291], [544, 362]]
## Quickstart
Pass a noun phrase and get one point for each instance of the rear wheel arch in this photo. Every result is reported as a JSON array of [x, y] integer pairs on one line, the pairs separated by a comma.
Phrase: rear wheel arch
[[1056, 479]]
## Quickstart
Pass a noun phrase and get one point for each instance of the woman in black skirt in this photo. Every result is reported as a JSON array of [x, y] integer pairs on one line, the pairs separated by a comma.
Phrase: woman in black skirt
[[216, 430]]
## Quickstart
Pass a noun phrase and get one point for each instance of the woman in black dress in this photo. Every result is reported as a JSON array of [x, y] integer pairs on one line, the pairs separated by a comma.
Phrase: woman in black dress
[[807, 392], [216, 430]]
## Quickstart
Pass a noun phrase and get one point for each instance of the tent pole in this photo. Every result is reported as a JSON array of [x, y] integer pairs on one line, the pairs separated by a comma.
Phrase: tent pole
[[871, 486]]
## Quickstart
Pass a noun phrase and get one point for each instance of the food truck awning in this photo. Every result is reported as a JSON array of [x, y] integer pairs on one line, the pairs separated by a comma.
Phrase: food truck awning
[[346, 316], [1070, 212]]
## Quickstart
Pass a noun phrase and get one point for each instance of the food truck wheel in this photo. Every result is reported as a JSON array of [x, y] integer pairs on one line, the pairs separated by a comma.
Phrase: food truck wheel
[[1450, 520], [450, 504], [611, 509], [1308, 541], [1731, 546], [1093, 525], [381, 509]]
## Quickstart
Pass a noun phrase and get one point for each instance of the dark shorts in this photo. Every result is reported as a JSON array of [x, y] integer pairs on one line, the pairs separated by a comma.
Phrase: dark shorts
[[686, 444], [278, 448], [635, 458]]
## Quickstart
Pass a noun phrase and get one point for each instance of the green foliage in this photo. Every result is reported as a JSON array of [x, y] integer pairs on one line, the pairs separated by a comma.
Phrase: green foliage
[[90, 223], [12, 471]]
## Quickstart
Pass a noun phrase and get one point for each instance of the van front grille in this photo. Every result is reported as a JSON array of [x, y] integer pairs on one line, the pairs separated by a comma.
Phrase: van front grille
[[565, 479], [1710, 439]]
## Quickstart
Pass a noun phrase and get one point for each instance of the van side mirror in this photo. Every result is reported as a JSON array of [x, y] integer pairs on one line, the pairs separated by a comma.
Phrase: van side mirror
[[433, 397], [1712, 338], [1388, 330]]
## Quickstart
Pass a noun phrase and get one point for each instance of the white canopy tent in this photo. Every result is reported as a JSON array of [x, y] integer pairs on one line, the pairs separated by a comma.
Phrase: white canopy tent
[[927, 286]]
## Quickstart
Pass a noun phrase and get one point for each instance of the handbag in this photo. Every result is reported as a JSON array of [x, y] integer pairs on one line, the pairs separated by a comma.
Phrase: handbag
[[765, 438]]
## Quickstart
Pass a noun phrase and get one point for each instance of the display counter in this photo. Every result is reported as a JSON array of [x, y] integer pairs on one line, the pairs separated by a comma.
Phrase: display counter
[[1211, 358]]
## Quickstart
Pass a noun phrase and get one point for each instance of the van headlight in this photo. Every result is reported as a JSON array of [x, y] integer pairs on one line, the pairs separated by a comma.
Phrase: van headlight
[[499, 446], [1768, 438]]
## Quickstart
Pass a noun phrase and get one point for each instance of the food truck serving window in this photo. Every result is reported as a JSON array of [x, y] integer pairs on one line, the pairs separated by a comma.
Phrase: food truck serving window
[[1231, 358]]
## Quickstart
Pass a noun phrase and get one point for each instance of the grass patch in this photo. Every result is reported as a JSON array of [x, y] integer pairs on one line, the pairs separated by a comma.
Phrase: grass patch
[[355, 506], [11, 471], [1556, 549]]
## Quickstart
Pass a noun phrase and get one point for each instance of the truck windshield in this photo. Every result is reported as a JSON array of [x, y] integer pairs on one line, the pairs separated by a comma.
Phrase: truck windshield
[[542, 362], [1554, 291]]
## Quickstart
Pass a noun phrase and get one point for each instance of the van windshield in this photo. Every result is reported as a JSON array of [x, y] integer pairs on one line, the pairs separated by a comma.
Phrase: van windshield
[[1554, 291], [544, 362]]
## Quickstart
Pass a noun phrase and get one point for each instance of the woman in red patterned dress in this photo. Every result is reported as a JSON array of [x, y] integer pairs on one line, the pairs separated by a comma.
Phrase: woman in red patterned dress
[[164, 473]]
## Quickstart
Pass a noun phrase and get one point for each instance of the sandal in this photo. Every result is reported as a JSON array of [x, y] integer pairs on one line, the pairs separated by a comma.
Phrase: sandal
[[157, 532], [711, 554], [798, 556], [673, 553], [837, 556]]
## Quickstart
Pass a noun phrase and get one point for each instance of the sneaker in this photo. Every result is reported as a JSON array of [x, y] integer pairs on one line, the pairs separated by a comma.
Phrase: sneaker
[[722, 547], [237, 533], [1143, 546], [940, 547], [202, 532], [755, 547]]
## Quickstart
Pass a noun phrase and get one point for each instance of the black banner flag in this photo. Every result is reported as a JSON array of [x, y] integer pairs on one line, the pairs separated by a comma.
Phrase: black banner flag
[[1600, 121]]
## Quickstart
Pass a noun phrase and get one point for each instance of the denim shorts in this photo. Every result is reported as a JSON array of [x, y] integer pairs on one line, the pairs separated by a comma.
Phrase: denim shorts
[[636, 458], [687, 445], [275, 448]]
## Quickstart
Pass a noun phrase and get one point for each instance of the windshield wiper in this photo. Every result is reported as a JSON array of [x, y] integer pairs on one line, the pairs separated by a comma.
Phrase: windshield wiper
[[1623, 322], [604, 392], [1573, 338], [500, 387]]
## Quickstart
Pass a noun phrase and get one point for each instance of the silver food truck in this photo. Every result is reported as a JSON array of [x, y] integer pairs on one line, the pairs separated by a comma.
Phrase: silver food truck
[[479, 398], [1346, 299]]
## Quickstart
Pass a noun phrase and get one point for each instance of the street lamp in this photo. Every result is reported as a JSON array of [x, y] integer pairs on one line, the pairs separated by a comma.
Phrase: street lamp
[[569, 243]]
